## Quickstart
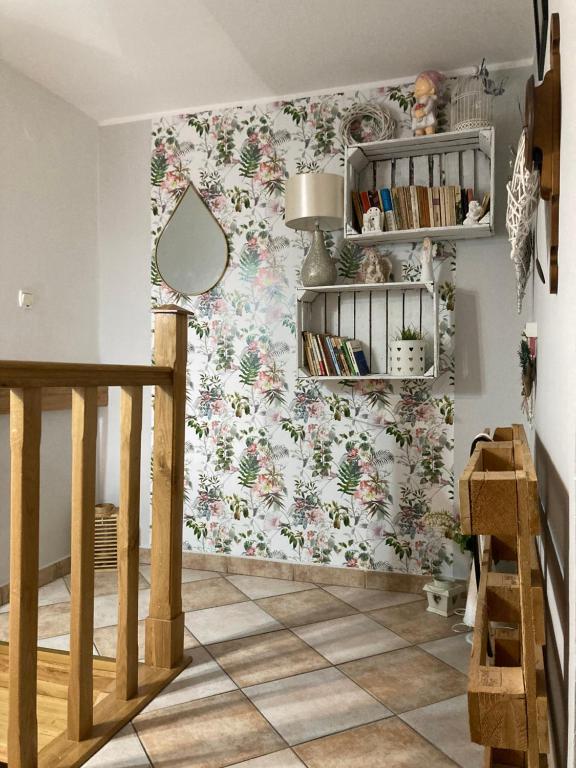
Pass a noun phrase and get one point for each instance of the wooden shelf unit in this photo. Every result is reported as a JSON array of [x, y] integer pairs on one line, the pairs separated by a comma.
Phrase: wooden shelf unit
[[507, 701], [465, 158], [371, 313]]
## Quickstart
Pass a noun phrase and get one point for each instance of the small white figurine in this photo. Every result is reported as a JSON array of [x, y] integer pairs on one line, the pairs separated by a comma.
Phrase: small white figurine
[[427, 254], [376, 267], [372, 220], [474, 214]]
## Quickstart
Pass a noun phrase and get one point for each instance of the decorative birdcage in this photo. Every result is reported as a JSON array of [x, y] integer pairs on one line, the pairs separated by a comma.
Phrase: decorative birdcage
[[472, 100], [471, 105]]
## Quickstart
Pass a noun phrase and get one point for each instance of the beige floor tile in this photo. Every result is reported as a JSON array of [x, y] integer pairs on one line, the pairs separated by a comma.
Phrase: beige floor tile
[[228, 622], [202, 678], [371, 599], [58, 643], [106, 608], [106, 582], [284, 759], [351, 637], [123, 751], [446, 725], [455, 651], [386, 744], [188, 574], [55, 592], [105, 639], [315, 704], [209, 593], [257, 587], [414, 623], [307, 607], [406, 679], [261, 658], [209, 733], [53, 620]]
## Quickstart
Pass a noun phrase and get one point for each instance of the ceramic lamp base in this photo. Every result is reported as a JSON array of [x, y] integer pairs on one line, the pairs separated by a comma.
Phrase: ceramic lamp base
[[318, 268]]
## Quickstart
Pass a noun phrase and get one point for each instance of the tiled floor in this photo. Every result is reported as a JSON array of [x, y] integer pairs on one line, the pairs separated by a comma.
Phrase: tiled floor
[[287, 674]]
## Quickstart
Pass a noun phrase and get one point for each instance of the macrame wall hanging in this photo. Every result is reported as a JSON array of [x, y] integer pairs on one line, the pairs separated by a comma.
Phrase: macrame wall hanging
[[523, 195]]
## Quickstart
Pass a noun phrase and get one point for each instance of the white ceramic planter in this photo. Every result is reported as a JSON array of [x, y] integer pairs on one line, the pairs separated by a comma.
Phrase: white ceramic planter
[[407, 358]]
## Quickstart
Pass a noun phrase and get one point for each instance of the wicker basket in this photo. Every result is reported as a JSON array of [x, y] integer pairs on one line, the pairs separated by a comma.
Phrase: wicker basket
[[105, 537]]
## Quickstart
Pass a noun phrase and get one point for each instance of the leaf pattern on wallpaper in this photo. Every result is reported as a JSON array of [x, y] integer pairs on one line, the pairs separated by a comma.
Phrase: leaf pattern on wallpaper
[[276, 467]]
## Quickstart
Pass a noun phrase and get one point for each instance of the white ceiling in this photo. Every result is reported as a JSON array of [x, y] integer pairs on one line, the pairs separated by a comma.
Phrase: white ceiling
[[119, 58]]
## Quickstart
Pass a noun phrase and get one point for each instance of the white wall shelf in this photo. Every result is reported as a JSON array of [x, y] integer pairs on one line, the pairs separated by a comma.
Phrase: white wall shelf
[[463, 158], [372, 314]]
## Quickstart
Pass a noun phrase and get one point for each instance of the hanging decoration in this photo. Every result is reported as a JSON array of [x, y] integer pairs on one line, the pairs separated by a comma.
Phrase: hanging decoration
[[523, 195], [527, 358], [367, 121]]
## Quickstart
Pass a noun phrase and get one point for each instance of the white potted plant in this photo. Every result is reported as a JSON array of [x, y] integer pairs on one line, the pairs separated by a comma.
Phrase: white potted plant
[[407, 356]]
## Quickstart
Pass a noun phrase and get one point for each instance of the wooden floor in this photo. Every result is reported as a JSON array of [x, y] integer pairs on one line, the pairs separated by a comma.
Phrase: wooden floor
[[110, 714]]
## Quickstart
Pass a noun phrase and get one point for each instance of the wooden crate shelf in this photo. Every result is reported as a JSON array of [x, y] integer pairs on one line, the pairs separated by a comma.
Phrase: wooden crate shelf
[[464, 158], [371, 313], [507, 700]]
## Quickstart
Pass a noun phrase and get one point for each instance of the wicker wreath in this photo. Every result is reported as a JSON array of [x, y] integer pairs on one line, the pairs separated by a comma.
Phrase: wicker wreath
[[523, 196], [382, 124]]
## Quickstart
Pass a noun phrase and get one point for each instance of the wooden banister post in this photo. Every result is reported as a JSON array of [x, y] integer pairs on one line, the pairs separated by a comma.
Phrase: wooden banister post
[[80, 689], [25, 429], [165, 624], [128, 542]]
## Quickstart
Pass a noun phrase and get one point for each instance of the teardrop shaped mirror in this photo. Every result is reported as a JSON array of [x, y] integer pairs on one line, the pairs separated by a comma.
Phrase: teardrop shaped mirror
[[192, 250]]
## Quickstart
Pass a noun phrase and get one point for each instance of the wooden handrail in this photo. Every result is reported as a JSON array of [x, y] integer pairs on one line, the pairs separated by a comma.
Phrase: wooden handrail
[[16, 374], [165, 624]]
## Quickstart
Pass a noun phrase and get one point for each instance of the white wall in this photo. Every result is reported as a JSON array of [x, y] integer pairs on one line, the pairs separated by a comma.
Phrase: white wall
[[555, 414], [488, 326], [48, 156], [124, 286]]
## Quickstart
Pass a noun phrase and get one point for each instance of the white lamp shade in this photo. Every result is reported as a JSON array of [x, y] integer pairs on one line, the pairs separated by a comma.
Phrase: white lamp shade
[[315, 199]]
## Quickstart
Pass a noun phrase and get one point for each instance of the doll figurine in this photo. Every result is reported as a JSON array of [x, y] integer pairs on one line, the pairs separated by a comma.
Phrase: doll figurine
[[423, 112]]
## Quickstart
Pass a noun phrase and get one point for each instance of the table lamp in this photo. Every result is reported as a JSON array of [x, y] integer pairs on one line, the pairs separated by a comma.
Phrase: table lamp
[[315, 203]]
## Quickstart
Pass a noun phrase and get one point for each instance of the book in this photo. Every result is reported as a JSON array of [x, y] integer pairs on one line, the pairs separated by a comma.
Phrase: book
[[397, 211], [358, 212], [365, 200], [430, 206], [414, 206], [326, 341], [388, 208], [374, 198], [360, 357], [407, 208], [351, 359], [442, 206], [423, 206], [436, 206]]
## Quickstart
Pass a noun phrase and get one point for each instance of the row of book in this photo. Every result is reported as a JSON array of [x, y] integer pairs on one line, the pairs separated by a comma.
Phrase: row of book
[[334, 355], [415, 207]]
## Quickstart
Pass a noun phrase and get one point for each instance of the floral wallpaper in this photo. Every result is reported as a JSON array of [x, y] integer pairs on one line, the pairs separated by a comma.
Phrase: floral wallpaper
[[346, 474]]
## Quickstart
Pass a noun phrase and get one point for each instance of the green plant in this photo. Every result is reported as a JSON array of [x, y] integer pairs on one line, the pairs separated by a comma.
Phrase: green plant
[[524, 356], [409, 333]]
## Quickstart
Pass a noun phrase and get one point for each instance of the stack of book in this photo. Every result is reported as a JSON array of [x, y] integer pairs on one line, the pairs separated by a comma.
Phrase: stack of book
[[416, 207], [334, 355]]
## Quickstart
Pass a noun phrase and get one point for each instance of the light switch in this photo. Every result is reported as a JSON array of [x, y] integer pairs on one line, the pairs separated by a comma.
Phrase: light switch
[[25, 299]]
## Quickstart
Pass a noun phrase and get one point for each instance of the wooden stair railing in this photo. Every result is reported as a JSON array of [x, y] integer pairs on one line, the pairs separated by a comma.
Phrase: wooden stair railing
[[90, 725], [507, 701]]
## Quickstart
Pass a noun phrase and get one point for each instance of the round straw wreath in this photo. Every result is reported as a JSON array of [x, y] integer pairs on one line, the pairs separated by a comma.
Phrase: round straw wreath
[[382, 124]]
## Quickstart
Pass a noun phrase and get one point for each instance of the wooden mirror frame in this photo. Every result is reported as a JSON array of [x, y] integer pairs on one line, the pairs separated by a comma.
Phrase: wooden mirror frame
[[543, 121]]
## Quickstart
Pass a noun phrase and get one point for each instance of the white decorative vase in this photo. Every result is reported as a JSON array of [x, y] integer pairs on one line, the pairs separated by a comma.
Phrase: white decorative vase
[[407, 358]]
